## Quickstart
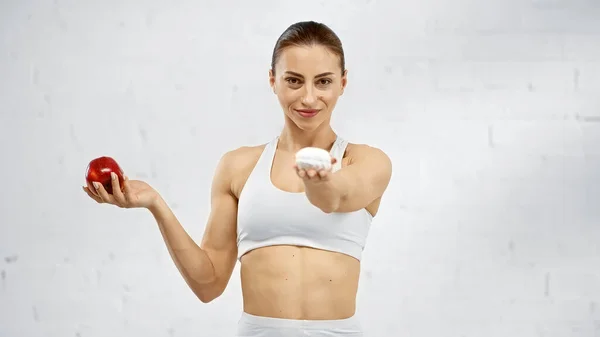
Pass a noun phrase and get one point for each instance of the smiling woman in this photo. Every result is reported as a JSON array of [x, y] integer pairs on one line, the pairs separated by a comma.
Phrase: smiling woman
[[308, 73], [298, 231]]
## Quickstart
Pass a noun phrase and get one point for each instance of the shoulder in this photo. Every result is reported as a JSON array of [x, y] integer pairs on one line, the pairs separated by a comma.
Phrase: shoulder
[[237, 164], [239, 158], [360, 152]]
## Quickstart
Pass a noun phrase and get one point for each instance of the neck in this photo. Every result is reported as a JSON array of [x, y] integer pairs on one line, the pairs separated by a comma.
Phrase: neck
[[293, 139]]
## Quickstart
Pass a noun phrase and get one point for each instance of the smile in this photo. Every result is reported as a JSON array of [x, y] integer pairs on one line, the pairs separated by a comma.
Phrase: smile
[[307, 113]]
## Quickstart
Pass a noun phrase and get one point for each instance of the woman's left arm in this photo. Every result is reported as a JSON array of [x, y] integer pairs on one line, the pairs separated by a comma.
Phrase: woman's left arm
[[352, 188]]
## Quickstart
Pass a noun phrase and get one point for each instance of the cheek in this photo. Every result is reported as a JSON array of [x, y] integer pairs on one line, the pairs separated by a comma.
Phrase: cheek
[[288, 96], [329, 96]]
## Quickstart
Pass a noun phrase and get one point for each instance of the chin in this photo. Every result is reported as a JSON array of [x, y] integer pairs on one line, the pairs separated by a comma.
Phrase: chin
[[308, 125]]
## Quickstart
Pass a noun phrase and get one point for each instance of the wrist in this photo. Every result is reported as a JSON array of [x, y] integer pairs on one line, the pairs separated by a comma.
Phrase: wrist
[[157, 204]]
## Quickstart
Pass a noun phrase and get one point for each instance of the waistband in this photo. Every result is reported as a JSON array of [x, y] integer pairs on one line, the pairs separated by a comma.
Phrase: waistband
[[350, 323]]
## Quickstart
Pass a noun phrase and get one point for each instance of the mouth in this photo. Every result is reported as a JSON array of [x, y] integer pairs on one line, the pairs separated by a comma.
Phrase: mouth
[[307, 113]]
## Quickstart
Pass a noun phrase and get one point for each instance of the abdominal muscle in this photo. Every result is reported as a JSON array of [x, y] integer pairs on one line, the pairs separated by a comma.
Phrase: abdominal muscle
[[299, 283]]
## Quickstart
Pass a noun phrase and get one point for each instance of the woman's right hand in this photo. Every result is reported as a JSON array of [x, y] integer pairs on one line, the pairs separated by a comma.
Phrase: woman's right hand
[[135, 193]]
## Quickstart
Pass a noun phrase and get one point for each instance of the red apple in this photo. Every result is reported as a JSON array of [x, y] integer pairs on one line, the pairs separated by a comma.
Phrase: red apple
[[99, 170]]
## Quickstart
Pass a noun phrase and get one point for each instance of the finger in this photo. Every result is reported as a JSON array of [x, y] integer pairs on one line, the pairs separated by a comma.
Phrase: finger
[[125, 183], [103, 194], [311, 173], [117, 194], [93, 191], [333, 161], [92, 195], [301, 173], [127, 194], [323, 174]]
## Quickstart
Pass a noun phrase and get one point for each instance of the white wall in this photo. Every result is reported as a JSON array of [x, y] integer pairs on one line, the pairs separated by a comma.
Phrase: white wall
[[488, 109]]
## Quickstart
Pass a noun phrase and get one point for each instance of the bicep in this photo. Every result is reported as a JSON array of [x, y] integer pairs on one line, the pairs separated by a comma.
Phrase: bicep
[[367, 178]]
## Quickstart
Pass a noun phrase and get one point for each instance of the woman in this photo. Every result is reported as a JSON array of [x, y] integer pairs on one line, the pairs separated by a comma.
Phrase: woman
[[298, 234]]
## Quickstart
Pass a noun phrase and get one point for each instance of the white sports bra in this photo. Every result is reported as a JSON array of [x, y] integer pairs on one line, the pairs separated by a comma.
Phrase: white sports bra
[[269, 216]]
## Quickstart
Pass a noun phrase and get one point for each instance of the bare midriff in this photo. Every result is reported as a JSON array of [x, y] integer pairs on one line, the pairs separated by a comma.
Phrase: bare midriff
[[299, 283]]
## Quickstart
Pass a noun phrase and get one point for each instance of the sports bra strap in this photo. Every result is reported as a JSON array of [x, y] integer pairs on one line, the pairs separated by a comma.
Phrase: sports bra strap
[[337, 151]]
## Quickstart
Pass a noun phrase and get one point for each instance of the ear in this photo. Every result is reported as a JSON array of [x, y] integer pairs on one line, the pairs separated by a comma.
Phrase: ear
[[272, 80], [344, 80]]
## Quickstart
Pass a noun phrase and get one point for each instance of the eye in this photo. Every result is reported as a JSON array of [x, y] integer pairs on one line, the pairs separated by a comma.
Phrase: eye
[[292, 80], [325, 81]]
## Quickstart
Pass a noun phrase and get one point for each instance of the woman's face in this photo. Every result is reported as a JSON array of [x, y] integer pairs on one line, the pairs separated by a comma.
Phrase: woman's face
[[308, 82]]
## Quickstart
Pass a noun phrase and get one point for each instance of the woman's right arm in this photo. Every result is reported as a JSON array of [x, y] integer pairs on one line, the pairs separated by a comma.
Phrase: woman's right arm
[[206, 268]]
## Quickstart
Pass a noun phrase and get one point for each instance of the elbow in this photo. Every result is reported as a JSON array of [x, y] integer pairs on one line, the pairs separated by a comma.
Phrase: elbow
[[324, 207], [329, 208], [209, 294], [206, 299]]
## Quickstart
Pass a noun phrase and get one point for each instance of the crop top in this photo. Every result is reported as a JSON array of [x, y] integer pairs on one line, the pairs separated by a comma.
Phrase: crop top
[[269, 216]]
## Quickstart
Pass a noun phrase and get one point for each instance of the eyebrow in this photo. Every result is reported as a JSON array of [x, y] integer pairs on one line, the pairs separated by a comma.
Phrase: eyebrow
[[299, 75]]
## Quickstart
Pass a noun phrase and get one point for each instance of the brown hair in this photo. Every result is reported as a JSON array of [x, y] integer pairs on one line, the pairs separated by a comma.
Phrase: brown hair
[[308, 33]]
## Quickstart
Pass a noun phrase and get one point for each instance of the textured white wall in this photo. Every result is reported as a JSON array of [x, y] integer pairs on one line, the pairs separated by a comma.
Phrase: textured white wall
[[489, 110]]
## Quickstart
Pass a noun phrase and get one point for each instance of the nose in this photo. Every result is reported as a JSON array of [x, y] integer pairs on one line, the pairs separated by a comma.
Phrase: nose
[[309, 96]]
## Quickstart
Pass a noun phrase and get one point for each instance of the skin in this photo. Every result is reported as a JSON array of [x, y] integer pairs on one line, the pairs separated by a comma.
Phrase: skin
[[279, 281]]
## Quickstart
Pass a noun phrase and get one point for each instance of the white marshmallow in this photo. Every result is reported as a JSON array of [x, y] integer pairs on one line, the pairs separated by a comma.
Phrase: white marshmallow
[[313, 158]]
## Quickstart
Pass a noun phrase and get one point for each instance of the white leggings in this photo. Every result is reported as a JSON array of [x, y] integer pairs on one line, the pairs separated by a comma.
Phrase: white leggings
[[257, 326]]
